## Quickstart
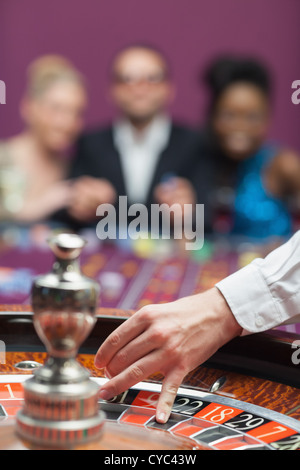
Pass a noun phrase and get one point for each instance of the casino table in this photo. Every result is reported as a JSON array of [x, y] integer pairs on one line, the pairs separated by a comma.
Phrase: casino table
[[244, 397]]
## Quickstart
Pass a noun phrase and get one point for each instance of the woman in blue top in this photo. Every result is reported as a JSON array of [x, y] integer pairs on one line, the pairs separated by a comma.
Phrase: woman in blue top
[[264, 176]]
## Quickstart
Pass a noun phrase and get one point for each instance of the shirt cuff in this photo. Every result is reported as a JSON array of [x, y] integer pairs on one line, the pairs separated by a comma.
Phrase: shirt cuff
[[250, 300]]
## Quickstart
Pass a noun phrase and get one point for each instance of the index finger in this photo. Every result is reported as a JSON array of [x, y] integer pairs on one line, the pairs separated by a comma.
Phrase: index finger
[[170, 386]]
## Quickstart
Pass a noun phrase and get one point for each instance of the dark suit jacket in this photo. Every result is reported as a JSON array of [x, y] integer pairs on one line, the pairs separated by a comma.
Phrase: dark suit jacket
[[97, 156]]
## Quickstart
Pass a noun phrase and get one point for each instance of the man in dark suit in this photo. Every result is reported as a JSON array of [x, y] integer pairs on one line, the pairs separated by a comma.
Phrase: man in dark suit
[[143, 154]]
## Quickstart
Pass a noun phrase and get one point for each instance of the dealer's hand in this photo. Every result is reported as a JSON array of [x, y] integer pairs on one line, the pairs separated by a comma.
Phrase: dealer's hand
[[171, 338]]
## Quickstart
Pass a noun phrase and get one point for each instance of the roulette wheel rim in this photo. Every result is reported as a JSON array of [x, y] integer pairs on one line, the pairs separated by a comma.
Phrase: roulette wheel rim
[[130, 423]]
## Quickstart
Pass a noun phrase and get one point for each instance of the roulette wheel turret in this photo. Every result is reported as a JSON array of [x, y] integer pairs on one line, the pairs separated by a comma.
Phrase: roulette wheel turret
[[60, 400]]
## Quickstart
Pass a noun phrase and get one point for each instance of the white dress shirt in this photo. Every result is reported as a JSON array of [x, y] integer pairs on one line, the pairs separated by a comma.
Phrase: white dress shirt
[[266, 293], [139, 153]]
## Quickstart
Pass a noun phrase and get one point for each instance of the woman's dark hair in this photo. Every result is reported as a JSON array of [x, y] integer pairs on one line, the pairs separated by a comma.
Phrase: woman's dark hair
[[228, 70]]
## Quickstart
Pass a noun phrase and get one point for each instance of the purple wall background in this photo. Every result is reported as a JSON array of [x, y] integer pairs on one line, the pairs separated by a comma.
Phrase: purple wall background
[[191, 32]]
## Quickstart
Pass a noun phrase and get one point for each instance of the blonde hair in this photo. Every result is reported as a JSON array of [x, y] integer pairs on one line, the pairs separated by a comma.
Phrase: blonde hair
[[47, 70]]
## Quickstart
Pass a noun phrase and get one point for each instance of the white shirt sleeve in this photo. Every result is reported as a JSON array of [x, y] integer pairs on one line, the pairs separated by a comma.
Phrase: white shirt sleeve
[[266, 293]]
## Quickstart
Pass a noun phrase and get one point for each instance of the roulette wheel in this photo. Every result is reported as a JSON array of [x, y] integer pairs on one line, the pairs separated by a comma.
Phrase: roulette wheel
[[245, 397]]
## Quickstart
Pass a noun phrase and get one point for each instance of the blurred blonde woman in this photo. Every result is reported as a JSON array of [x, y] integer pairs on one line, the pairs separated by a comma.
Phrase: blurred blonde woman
[[33, 164]]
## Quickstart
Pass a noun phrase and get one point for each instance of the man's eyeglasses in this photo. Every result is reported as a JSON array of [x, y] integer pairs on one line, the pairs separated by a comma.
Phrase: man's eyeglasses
[[151, 79]]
